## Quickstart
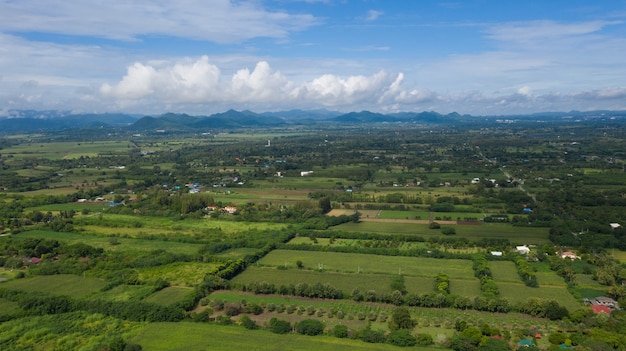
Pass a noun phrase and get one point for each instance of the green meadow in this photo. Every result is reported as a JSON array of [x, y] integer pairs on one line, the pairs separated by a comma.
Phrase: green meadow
[[60, 284], [520, 235]]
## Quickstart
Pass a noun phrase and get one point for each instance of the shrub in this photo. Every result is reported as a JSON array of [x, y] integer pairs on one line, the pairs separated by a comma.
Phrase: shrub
[[232, 309], [434, 225], [310, 327], [247, 322], [279, 326], [424, 339], [402, 338], [340, 331], [372, 336]]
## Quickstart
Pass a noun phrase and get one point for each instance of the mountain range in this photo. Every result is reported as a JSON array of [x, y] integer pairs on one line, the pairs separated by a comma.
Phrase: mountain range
[[15, 121]]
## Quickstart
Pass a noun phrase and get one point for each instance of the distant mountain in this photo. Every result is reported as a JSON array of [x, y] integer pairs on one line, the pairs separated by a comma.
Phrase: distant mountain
[[16, 121], [33, 121], [224, 120], [405, 117], [363, 117], [238, 119], [306, 115]]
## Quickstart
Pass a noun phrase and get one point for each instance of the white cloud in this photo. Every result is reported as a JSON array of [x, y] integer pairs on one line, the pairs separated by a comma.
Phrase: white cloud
[[200, 82], [373, 15], [220, 21], [529, 32]]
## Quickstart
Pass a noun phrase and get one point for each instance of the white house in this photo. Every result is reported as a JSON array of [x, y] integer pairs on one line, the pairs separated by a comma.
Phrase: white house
[[523, 249]]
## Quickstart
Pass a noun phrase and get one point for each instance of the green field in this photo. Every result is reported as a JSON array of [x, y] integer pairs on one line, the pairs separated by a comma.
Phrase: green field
[[504, 271], [67, 150], [517, 235], [201, 337], [62, 284], [353, 263], [122, 244], [168, 295], [381, 283], [518, 293], [7, 307], [182, 274]]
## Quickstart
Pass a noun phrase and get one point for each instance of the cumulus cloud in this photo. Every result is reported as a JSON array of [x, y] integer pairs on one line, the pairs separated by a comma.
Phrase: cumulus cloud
[[202, 82], [199, 84]]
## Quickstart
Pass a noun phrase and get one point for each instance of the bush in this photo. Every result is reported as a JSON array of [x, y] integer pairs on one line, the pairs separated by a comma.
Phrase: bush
[[279, 326], [247, 322], [424, 339], [340, 331], [434, 225], [232, 308], [310, 327], [372, 336], [402, 338], [448, 231]]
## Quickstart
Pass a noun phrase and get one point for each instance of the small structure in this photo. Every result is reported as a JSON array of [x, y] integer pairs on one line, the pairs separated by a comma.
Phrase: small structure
[[496, 253], [522, 249], [600, 309], [305, 173], [615, 225], [525, 343], [230, 209], [570, 255]]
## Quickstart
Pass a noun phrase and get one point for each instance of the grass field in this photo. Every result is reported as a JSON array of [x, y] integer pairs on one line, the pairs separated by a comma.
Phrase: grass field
[[381, 283], [123, 244], [166, 224], [196, 336], [7, 307], [504, 271], [178, 274], [168, 295], [125, 293], [519, 293], [62, 284], [517, 235], [352, 263]]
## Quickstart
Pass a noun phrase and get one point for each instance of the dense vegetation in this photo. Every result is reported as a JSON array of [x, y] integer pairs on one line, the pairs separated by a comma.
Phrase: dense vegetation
[[308, 233]]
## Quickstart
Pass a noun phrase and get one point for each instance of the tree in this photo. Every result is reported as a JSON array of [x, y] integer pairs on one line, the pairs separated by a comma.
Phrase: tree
[[310, 327], [325, 204], [279, 326], [340, 331], [401, 319]]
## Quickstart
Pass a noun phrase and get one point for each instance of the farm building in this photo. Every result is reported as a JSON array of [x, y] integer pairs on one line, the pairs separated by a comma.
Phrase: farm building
[[570, 255]]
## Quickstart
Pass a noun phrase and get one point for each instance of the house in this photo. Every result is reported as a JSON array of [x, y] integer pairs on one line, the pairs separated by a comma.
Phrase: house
[[306, 173], [600, 309], [615, 225], [230, 209], [605, 301], [35, 260], [525, 343], [496, 253], [570, 255], [523, 249]]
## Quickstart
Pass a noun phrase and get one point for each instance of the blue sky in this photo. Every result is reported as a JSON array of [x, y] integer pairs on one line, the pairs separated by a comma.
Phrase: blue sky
[[196, 56]]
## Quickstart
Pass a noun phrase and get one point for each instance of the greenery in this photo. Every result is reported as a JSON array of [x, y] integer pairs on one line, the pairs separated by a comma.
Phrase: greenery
[[402, 236]]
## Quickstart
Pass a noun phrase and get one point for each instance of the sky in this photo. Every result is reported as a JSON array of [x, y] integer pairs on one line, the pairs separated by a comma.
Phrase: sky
[[481, 57]]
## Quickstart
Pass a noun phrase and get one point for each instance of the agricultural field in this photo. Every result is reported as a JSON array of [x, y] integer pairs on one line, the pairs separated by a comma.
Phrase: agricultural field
[[67, 285], [199, 223], [517, 235], [369, 264]]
